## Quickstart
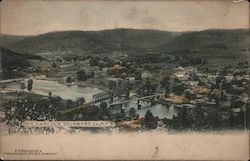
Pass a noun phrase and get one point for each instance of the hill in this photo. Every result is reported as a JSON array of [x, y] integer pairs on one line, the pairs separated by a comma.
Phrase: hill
[[14, 61], [6, 40], [208, 40], [134, 41], [94, 41]]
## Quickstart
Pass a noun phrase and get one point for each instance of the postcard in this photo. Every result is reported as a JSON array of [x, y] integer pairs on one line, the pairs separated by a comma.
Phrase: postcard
[[124, 80]]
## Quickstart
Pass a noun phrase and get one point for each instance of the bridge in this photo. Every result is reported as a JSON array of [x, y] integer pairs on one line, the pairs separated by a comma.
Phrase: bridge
[[105, 96], [96, 98], [144, 98], [102, 96]]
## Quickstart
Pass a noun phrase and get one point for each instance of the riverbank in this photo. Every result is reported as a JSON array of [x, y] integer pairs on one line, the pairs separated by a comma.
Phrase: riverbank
[[44, 87]]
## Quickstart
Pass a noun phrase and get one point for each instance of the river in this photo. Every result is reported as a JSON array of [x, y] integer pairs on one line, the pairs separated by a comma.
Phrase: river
[[43, 87], [159, 110]]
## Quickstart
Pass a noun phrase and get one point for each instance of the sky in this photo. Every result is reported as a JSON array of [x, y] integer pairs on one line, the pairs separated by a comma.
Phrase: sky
[[32, 17]]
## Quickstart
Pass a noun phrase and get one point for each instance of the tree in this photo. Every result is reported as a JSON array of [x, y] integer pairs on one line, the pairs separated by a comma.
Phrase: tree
[[58, 98], [93, 61], [103, 105], [110, 72], [69, 103], [128, 87], [30, 83], [150, 87], [81, 75], [176, 58], [138, 75], [132, 112], [149, 120], [112, 85], [68, 79], [80, 101], [53, 65], [179, 89], [166, 84], [91, 74]]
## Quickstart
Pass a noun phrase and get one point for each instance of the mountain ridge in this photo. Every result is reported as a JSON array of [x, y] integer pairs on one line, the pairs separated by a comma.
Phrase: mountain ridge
[[130, 40]]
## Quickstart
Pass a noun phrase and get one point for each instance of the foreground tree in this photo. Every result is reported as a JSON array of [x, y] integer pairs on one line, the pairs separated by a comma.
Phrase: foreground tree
[[30, 84], [149, 120], [70, 103]]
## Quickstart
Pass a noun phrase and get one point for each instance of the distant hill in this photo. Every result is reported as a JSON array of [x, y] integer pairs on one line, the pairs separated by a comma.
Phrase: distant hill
[[133, 41], [94, 41], [12, 60], [6, 40], [208, 40]]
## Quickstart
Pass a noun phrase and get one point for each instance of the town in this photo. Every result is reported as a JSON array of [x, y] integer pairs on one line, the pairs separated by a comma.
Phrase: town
[[137, 92]]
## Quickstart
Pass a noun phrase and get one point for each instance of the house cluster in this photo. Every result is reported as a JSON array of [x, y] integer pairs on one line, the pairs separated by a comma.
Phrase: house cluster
[[224, 89]]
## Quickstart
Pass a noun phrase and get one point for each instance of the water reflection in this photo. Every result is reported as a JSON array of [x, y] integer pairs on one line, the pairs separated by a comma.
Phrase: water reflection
[[162, 111]]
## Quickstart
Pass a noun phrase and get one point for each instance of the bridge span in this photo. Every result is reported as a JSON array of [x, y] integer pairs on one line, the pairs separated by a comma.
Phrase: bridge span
[[144, 98]]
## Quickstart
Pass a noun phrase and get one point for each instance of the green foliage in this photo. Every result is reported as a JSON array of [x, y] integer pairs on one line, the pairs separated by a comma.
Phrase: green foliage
[[149, 120], [132, 112], [103, 105], [80, 101], [81, 75], [135, 42], [69, 79], [30, 84], [14, 61]]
